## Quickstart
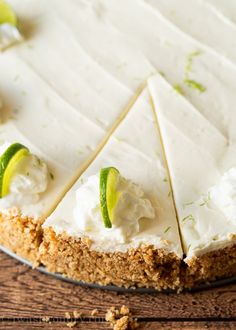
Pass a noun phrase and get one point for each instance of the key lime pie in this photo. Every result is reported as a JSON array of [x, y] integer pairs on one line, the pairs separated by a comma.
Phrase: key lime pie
[[117, 139]]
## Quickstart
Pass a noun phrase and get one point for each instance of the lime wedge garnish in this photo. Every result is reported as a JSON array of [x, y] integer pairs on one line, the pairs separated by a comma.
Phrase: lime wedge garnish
[[8, 162], [109, 195], [7, 15], [9, 32]]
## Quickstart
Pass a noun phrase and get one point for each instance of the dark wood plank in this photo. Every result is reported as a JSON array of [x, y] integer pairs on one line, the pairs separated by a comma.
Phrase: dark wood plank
[[188, 325], [53, 326], [27, 293], [104, 326]]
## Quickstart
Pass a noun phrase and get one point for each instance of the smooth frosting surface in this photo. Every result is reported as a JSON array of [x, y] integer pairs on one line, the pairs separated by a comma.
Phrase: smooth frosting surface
[[136, 141], [202, 177]]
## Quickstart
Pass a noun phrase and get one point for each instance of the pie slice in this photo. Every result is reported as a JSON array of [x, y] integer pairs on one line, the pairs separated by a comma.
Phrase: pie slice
[[142, 248], [202, 164]]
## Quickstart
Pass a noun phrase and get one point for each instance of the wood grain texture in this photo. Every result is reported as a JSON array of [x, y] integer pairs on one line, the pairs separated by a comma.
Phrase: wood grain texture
[[105, 326], [26, 293]]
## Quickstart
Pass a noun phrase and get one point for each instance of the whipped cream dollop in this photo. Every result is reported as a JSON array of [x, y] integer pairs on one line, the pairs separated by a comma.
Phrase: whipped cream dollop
[[30, 178], [223, 194], [217, 206], [131, 207], [9, 35]]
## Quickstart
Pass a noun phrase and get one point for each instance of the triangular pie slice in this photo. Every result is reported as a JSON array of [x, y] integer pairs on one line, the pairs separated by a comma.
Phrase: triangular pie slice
[[151, 255], [202, 165]]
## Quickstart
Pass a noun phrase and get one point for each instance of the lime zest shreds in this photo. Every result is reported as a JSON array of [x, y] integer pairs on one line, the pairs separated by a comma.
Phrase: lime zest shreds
[[167, 229], [189, 217], [108, 194], [9, 159], [191, 83], [7, 15], [178, 88], [195, 85], [206, 199], [162, 74], [187, 204], [188, 67]]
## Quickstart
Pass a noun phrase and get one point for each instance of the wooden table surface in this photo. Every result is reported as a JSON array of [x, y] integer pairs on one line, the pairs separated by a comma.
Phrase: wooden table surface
[[27, 296]]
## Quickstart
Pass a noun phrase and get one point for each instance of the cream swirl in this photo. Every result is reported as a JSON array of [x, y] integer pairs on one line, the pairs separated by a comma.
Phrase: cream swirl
[[9, 35], [131, 207]]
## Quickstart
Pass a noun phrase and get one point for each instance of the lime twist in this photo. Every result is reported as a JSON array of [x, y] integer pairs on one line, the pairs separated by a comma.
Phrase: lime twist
[[7, 15], [8, 162], [109, 194]]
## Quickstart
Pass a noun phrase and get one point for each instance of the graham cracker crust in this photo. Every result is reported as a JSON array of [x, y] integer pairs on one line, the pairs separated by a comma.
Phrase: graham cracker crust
[[210, 266], [142, 267], [22, 235]]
